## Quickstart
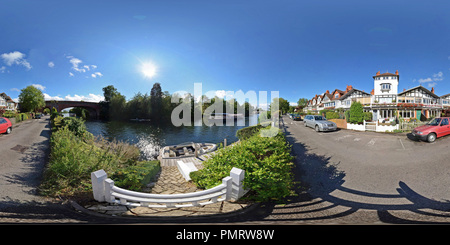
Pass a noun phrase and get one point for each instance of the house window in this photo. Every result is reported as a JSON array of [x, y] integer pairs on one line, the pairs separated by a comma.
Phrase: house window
[[385, 86], [336, 96]]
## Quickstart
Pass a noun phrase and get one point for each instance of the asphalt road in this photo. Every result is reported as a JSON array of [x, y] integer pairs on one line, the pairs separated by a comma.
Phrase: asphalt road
[[367, 177]]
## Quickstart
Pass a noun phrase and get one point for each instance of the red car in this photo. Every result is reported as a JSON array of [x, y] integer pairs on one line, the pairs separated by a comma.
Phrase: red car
[[436, 128], [5, 125]]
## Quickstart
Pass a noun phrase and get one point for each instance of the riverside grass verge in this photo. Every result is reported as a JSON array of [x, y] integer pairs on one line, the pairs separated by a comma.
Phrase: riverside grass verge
[[76, 153], [266, 160]]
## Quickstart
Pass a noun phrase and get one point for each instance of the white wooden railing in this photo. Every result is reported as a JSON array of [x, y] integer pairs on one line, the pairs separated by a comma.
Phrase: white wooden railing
[[105, 191]]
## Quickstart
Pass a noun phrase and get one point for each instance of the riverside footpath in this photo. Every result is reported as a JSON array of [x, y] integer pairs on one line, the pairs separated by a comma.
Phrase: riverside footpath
[[169, 181]]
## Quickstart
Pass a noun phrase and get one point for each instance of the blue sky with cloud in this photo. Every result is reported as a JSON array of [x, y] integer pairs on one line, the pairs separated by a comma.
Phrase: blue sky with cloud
[[72, 49]]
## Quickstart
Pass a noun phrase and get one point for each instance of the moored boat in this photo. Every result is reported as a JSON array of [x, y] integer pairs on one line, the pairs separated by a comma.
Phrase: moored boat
[[188, 149]]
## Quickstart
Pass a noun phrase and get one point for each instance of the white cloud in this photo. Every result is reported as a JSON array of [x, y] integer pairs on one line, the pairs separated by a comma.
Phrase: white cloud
[[15, 58], [76, 97], [39, 86], [51, 64], [15, 89], [89, 98], [293, 104], [48, 97], [432, 80], [3, 69], [77, 66], [438, 76], [96, 74]]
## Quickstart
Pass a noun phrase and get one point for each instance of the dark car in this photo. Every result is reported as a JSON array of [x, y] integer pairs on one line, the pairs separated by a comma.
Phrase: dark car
[[296, 117], [5, 125], [436, 128]]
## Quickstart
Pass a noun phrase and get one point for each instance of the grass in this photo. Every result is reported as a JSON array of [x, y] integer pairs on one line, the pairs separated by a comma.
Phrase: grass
[[76, 153]]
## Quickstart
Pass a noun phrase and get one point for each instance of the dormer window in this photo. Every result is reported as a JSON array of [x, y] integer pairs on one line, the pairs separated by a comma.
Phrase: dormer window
[[385, 86]]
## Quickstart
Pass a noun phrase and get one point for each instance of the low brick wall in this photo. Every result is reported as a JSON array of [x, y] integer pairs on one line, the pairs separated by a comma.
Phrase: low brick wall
[[340, 123]]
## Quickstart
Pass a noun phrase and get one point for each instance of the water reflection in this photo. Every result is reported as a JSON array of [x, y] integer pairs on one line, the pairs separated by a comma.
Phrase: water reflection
[[151, 137]]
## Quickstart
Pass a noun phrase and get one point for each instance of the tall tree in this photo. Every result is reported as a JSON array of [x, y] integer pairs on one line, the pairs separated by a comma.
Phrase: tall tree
[[109, 92], [156, 102], [31, 99]]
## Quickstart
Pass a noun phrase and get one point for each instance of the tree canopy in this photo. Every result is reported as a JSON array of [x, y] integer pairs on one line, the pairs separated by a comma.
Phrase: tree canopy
[[31, 99]]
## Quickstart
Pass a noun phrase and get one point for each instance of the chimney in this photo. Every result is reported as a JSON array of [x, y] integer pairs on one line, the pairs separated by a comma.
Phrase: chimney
[[328, 91], [378, 73], [372, 92], [432, 90], [404, 89], [396, 72], [349, 87]]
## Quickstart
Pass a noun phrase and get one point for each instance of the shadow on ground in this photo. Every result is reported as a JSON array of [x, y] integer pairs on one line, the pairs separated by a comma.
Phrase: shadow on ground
[[317, 177]]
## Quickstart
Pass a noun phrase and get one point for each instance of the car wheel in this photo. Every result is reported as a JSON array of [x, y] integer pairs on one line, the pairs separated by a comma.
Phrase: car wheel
[[317, 128], [305, 124], [431, 137], [8, 131]]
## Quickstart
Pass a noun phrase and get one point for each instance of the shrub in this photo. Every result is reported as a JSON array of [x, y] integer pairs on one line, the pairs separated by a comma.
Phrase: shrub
[[332, 115], [75, 156], [135, 177], [367, 116], [347, 115], [267, 163], [247, 132], [356, 113]]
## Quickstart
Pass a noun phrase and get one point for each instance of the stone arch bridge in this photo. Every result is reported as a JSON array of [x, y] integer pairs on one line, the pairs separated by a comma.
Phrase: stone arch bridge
[[92, 107]]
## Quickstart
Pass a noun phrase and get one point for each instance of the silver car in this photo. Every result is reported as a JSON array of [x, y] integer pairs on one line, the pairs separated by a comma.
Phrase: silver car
[[319, 123]]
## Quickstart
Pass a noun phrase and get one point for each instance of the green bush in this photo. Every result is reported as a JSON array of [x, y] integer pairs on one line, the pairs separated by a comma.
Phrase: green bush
[[9, 114], [267, 163], [247, 132], [135, 177], [367, 116], [75, 156], [347, 115], [356, 113], [332, 115]]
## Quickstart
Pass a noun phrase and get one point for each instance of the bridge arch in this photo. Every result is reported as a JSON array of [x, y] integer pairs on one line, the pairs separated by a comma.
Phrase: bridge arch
[[92, 107]]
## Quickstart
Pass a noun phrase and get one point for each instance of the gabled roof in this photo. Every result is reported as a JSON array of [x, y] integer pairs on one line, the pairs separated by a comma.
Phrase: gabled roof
[[420, 87], [445, 95], [343, 97]]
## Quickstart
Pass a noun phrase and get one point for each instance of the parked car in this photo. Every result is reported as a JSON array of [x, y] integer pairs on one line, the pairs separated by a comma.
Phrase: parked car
[[5, 125], [296, 117], [434, 129], [38, 116], [319, 123]]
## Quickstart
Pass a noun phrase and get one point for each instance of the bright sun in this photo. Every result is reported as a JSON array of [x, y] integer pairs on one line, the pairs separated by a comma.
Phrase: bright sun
[[148, 69]]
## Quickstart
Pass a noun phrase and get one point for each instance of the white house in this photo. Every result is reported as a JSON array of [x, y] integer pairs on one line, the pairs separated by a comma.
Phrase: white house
[[7, 103], [385, 102]]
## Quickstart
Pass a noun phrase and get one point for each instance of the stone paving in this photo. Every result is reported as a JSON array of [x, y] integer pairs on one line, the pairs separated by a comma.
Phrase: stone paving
[[169, 181]]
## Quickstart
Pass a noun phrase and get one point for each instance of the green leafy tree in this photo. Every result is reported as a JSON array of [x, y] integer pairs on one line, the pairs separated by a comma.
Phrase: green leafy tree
[[356, 113], [31, 99], [156, 101]]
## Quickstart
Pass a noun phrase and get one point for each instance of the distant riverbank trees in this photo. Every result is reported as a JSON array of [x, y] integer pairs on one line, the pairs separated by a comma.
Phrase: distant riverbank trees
[[158, 105]]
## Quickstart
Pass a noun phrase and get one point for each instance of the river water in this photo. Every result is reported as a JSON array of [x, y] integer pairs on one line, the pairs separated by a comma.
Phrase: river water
[[150, 138]]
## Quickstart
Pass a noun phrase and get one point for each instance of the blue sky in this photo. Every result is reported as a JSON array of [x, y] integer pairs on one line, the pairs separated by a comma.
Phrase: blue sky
[[72, 49]]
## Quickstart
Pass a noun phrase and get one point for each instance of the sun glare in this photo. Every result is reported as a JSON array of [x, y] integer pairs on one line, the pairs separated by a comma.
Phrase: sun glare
[[148, 69]]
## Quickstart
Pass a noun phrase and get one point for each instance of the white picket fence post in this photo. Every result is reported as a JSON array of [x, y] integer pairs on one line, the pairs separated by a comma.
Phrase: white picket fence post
[[105, 191], [98, 187], [238, 176]]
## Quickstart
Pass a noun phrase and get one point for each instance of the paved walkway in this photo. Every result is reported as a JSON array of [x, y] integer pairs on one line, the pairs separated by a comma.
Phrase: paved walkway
[[170, 181]]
